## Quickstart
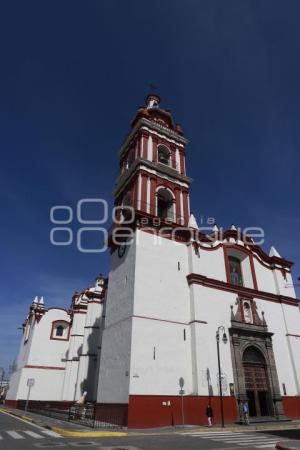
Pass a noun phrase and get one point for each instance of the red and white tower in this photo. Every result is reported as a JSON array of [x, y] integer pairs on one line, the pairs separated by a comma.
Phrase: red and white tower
[[147, 298], [152, 167]]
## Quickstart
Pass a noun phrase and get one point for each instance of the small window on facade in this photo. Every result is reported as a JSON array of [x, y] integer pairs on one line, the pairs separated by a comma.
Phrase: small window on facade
[[59, 331], [235, 269]]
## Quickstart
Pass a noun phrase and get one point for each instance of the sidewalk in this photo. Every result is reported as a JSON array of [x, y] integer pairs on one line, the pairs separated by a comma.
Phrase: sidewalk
[[64, 428], [70, 429]]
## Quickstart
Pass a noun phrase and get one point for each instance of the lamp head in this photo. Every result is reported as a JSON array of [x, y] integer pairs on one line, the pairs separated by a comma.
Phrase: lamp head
[[224, 339]]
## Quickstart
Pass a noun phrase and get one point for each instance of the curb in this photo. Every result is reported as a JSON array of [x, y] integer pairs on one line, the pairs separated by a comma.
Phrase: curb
[[67, 433]]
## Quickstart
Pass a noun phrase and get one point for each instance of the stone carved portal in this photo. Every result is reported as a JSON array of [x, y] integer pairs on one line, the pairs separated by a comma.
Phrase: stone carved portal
[[254, 368]]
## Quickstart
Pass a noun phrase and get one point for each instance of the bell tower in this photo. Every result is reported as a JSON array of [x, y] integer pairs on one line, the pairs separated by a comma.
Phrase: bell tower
[[147, 296], [152, 176]]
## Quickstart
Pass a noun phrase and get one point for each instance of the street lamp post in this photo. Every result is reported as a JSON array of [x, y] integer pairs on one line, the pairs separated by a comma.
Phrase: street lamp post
[[224, 339]]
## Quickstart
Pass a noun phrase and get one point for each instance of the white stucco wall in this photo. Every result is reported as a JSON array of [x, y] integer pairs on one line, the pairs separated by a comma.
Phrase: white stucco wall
[[46, 351], [71, 379], [213, 307], [48, 385], [209, 263], [115, 363], [160, 356], [160, 288], [264, 277], [113, 384], [46, 356], [87, 366]]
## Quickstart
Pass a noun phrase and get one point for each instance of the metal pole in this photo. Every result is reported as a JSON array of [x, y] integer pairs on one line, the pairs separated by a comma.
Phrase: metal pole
[[220, 381], [1, 387], [27, 400]]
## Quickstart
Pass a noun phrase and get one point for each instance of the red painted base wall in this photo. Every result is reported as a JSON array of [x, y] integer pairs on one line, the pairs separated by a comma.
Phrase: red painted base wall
[[149, 411], [12, 403], [291, 407], [112, 413], [35, 404], [146, 411]]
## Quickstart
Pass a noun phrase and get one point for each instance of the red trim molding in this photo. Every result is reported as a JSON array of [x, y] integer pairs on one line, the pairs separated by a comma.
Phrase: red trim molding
[[29, 366], [169, 321], [194, 278], [198, 321]]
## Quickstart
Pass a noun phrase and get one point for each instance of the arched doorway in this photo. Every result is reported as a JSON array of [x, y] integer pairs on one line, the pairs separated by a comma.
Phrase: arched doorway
[[256, 382]]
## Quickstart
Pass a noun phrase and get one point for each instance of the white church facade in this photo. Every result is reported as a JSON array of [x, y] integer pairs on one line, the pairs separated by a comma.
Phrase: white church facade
[[142, 342]]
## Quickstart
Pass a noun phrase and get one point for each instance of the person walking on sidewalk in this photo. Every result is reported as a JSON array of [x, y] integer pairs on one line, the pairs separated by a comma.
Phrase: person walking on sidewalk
[[246, 413], [209, 413]]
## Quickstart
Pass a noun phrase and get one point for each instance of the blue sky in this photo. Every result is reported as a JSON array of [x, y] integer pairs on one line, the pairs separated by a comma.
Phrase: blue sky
[[72, 75]]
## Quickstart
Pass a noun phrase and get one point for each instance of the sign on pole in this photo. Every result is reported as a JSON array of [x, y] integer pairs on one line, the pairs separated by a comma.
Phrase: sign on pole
[[181, 392], [30, 384]]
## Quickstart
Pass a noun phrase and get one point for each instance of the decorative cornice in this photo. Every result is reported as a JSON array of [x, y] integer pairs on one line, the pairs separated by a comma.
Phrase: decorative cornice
[[249, 247], [273, 260], [99, 295], [29, 366], [166, 170], [155, 126], [246, 328], [194, 278]]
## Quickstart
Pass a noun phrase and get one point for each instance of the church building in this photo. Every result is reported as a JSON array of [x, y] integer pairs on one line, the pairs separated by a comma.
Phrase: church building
[[184, 316]]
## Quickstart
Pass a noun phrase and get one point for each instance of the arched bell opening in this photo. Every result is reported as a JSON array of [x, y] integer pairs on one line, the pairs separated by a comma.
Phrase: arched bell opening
[[127, 207], [163, 155], [165, 204]]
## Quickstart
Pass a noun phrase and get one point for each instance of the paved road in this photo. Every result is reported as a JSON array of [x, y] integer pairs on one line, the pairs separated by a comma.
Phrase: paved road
[[16, 434]]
